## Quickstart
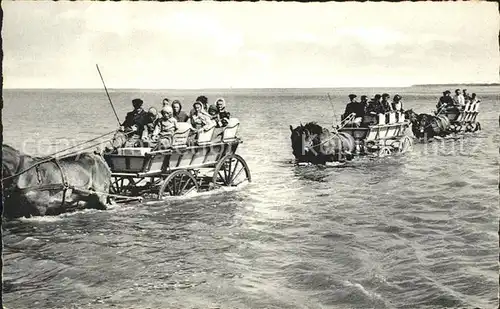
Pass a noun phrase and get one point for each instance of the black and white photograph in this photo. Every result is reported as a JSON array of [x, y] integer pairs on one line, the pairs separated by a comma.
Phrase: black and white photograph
[[250, 155]]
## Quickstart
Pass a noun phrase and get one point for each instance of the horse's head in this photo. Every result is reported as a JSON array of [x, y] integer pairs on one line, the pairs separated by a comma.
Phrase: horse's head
[[11, 160], [411, 115], [298, 137], [12, 163], [423, 122], [303, 138]]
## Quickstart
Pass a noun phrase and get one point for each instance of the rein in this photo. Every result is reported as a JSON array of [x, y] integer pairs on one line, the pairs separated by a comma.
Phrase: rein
[[335, 133], [51, 186]]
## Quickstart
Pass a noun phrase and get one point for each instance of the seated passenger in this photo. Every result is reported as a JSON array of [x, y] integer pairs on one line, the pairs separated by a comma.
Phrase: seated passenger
[[212, 111], [459, 99], [134, 122], [467, 97], [165, 102], [386, 106], [200, 120], [397, 105], [364, 103], [350, 108], [474, 99], [151, 124], [204, 101], [441, 102], [446, 100], [166, 127], [179, 115], [222, 113], [374, 106]]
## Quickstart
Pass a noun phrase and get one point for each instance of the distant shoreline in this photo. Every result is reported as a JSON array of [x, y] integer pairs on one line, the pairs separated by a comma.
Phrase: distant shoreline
[[277, 89], [449, 85]]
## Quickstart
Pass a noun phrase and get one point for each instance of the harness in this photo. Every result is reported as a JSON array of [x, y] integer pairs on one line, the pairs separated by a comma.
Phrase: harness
[[57, 186], [334, 133]]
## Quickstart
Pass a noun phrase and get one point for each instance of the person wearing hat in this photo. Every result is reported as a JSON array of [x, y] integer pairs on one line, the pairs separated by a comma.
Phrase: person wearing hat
[[179, 115], [442, 101], [134, 117], [374, 106], [134, 122], [386, 106], [351, 107], [397, 105], [363, 103]]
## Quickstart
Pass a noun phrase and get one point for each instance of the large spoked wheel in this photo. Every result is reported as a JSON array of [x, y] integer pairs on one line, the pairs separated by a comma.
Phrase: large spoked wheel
[[405, 144], [231, 171], [123, 186], [384, 152], [178, 183]]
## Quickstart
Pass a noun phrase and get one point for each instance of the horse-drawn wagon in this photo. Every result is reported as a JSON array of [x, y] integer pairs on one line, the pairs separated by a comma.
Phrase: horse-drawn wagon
[[446, 121], [381, 134], [209, 163], [461, 120]]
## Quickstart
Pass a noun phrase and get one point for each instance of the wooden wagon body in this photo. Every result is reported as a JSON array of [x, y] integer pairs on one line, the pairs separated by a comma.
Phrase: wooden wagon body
[[382, 134], [462, 119], [211, 161]]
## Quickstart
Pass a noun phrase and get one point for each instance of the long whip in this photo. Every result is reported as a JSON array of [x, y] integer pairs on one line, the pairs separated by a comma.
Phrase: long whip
[[334, 122], [107, 93]]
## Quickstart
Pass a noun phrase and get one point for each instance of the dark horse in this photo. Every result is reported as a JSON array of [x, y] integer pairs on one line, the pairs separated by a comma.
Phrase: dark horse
[[314, 144], [35, 186], [427, 126]]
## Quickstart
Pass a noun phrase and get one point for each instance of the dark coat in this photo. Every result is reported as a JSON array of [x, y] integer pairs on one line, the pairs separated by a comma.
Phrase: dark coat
[[386, 106], [350, 108], [376, 107], [138, 119], [181, 117]]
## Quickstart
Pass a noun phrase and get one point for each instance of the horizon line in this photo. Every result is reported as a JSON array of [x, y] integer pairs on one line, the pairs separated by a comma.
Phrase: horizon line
[[252, 88]]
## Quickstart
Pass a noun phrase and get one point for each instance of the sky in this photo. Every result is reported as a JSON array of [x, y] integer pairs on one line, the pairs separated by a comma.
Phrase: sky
[[194, 45]]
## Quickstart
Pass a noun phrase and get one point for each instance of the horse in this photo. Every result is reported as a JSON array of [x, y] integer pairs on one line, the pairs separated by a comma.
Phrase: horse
[[314, 144], [414, 120], [429, 126], [37, 186]]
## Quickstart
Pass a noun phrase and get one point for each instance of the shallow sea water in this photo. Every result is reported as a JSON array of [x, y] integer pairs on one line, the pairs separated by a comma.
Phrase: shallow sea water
[[417, 230]]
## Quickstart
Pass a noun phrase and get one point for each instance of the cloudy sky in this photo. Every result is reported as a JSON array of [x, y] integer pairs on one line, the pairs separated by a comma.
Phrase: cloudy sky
[[244, 45]]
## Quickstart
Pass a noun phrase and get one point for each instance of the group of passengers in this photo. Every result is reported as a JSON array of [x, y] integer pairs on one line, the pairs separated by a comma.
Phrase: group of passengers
[[459, 100], [379, 104], [158, 128]]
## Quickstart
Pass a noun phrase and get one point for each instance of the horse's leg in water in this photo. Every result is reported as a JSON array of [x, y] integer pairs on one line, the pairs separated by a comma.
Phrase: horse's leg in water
[[101, 181]]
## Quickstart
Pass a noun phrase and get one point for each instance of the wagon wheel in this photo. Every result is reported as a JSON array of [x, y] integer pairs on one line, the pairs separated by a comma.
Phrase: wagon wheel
[[384, 151], [405, 144], [178, 183], [118, 186], [231, 171]]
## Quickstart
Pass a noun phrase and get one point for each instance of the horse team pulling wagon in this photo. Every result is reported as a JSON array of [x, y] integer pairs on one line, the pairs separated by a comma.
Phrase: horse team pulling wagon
[[447, 120], [381, 134], [209, 163]]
